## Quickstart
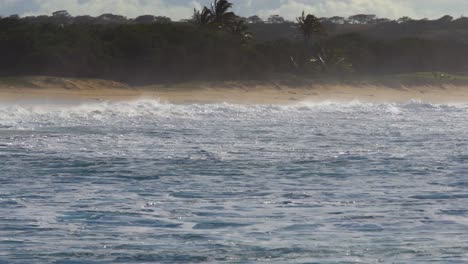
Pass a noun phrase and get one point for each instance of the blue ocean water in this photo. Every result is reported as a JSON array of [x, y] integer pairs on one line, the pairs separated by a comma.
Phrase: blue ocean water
[[151, 182]]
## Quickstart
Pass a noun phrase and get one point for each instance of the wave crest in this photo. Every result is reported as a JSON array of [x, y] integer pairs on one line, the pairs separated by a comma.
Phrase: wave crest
[[34, 113]]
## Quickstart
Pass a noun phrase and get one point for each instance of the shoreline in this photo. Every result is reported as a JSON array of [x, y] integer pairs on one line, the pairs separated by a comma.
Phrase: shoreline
[[44, 88]]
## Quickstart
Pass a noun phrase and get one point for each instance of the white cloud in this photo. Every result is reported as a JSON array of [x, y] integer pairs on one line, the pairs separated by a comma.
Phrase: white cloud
[[438, 8], [129, 8], [7, 2], [383, 8]]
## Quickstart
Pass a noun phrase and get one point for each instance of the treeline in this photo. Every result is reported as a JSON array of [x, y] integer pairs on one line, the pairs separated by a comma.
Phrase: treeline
[[63, 17], [217, 44]]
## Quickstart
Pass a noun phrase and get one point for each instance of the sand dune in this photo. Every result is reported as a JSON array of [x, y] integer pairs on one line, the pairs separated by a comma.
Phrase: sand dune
[[49, 88]]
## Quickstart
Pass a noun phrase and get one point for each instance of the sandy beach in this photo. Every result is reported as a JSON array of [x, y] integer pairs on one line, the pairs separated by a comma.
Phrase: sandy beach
[[50, 88]]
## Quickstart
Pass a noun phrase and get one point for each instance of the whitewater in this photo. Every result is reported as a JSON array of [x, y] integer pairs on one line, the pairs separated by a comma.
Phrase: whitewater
[[146, 181]]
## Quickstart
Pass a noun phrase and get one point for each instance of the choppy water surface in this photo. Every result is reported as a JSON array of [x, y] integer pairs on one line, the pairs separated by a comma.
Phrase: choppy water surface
[[148, 182]]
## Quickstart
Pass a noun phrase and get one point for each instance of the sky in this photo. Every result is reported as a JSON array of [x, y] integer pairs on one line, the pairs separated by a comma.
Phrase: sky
[[181, 9]]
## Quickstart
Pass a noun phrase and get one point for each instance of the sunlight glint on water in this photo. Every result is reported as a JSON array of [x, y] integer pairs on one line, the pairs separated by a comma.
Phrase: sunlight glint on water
[[145, 182]]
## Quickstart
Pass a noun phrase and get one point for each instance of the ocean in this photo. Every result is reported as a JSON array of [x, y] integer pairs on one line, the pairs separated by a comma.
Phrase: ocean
[[151, 182]]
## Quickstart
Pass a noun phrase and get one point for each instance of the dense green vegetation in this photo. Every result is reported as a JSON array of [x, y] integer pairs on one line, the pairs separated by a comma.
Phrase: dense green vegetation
[[216, 44]]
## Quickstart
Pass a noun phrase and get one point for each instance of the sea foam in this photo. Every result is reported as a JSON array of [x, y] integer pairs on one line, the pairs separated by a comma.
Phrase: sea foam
[[60, 112]]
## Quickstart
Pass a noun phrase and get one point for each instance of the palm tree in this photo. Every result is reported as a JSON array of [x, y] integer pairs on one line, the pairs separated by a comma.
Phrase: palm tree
[[202, 18], [330, 59], [220, 14], [219, 17], [309, 25], [216, 15], [326, 59]]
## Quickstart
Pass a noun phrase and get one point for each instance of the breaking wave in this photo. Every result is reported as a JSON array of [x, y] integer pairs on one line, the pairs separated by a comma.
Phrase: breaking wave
[[224, 182], [60, 112]]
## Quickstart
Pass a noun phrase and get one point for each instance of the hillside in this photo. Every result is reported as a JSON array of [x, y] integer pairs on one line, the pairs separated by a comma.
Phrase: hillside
[[155, 50]]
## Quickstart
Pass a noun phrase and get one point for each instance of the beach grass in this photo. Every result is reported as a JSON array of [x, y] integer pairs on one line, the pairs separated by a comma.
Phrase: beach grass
[[418, 79], [407, 80], [15, 82]]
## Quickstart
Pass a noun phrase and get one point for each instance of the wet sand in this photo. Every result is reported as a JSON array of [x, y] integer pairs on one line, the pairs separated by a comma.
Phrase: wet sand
[[51, 88]]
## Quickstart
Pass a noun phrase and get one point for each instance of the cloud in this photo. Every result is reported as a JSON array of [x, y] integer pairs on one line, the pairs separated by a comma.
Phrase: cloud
[[383, 8], [435, 9]]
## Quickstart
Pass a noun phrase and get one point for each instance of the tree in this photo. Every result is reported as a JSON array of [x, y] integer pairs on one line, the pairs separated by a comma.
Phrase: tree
[[216, 15], [382, 20], [461, 22], [145, 19], [239, 28], [220, 14], [362, 19], [276, 19], [150, 19], [254, 20], [112, 19], [445, 19], [61, 13], [203, 17], [405, 19], [61, 17], [337, 20], [331, 60], [43, 19], [83, 20], [309, 25], [321, 57], [162, 20]]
